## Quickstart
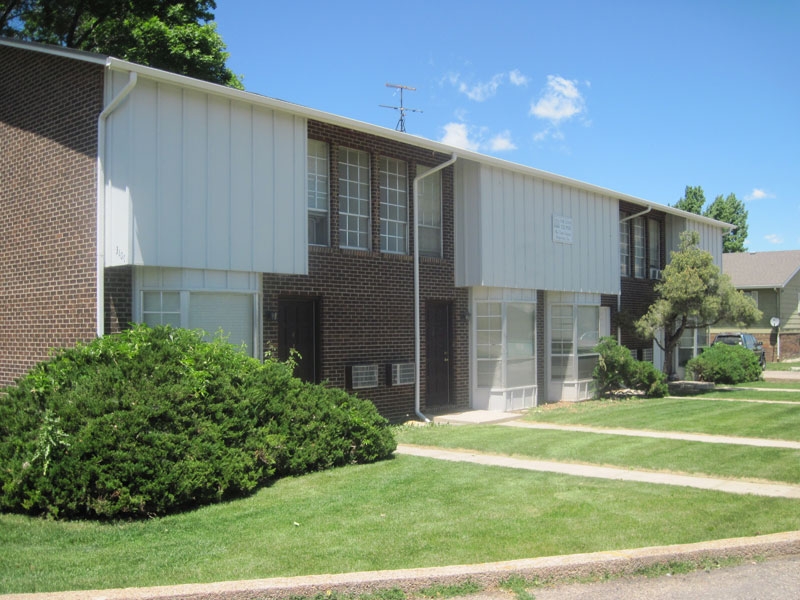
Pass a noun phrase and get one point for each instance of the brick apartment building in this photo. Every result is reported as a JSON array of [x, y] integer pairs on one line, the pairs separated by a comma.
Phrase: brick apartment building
[[129, 194]]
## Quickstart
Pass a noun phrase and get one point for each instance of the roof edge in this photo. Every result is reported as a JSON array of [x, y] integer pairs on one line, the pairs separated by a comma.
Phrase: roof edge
[[116, 64]]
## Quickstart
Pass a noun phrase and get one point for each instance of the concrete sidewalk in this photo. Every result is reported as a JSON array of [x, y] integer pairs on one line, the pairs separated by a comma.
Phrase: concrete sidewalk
[[668, 435], [732, 486]]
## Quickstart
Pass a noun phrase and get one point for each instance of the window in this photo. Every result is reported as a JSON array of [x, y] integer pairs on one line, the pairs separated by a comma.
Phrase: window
[[402, 373], [752, 294], [624, 247], [506, 344], [360, 377], [639, 258], [574, 333], [394, 205], [318, 193], [654, 247], [354, 210], [489, 346], [692, 340], [588, 336], [161, 308], [212, 312], [561, 341], [429, 219]]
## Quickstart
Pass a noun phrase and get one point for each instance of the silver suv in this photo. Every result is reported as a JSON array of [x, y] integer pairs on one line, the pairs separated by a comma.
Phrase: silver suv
[[747, 340]]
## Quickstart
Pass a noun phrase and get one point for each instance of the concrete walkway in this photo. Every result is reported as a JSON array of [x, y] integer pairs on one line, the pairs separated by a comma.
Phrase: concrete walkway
[[732, 486], [668, 435]]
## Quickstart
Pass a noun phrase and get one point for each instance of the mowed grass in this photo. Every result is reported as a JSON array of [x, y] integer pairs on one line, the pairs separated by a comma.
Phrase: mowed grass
[[406, 512], [695, 415], [769, 391], [696, 458]]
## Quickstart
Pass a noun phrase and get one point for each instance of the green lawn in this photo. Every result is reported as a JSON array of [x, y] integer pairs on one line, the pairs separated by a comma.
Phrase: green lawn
[[407, 512], [716, 460], [781, 366], [745, 393], [747, 419]]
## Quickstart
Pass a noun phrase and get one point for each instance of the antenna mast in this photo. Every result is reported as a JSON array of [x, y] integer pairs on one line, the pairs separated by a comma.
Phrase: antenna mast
[[401, 123]]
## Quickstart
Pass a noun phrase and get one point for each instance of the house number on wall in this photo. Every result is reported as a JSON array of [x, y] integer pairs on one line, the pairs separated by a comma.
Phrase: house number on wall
[[562, 229], [119, 252]]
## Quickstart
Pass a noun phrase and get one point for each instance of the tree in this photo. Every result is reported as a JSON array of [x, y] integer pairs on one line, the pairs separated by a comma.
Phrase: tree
[[173, 35], [693, 294], [730, 210], [693, 200]]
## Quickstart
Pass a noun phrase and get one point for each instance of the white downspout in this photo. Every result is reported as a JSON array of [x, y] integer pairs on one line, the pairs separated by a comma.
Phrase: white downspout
[[417, 343], [101, 198], [639, 214]]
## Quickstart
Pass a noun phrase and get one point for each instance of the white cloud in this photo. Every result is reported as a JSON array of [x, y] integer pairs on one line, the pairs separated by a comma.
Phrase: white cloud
[[758, 194], [774, 238], [481, 91], [560, 101], [517, 78], [458, 135], [502, 142]]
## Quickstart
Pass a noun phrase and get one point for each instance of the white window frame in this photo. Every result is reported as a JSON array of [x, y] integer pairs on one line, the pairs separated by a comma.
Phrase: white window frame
[[354, 199], [429, 205], [318, 193], [188, 282], [393, 176], [654, 244], [639, 248], [624, 247]]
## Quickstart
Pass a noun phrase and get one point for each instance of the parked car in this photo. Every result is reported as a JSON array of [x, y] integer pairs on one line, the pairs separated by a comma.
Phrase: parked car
[[747, 340]]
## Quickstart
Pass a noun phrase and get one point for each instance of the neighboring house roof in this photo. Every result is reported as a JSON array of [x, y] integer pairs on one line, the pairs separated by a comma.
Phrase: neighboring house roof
[[318, 115], [749, 270]]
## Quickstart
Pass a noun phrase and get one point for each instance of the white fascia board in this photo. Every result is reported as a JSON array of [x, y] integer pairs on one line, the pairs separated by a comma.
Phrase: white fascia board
[[91, 57], [318, 115]]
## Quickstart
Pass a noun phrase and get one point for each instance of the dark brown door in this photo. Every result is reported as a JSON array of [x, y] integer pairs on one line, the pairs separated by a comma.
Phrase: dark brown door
[[438, 334], [298, 329]]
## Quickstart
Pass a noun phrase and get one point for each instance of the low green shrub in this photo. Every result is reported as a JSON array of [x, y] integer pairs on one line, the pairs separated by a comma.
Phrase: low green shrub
[[154, 421], [722, 363], [617, 369]]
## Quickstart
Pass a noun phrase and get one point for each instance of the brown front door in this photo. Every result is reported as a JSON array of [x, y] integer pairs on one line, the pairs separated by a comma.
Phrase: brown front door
[[298, 329], [438, 336]]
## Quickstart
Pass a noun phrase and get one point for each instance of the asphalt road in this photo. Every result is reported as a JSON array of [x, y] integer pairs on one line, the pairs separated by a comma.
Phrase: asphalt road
[[773, 579]]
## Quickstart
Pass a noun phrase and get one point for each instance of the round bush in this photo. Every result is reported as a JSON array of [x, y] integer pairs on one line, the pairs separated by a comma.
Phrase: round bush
[[153, 421], [722, 363]]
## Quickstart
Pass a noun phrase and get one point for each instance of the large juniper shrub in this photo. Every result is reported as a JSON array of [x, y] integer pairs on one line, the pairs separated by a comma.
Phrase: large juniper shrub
[[617, 369], [722, 363], [154, 421]]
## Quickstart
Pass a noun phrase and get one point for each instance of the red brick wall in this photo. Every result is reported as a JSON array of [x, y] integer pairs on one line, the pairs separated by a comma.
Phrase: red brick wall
[[366, 297], [48, 149], [636, 294], [790, 345]]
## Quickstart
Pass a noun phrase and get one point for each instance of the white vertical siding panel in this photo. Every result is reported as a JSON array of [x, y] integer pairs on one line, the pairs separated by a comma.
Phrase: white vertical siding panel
[[144, 163], [241, 165], [170, 182], [218, 201], [541, 242], [195, 176], [467, 224], [285, 189], [263, 181], [119, 245], [529, 230], [486, 214], [299, 237]]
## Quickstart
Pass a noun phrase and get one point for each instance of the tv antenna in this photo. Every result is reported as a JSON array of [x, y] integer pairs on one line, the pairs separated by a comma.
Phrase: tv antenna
[[401, 123]]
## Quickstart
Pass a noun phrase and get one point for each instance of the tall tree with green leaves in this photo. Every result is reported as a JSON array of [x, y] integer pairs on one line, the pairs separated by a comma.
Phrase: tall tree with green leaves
[[693, 200], [729, 209], [693, 294], [175, 35]]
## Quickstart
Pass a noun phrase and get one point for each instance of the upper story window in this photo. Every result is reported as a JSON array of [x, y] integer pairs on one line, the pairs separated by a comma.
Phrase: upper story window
[[394, 205], [429, 219], [318, 193], [624, 247], [354, 209], [654, 248], [639, 256]]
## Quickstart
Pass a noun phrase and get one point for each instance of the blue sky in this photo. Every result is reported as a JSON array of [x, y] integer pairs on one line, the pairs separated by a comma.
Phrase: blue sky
[[640, 97]]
